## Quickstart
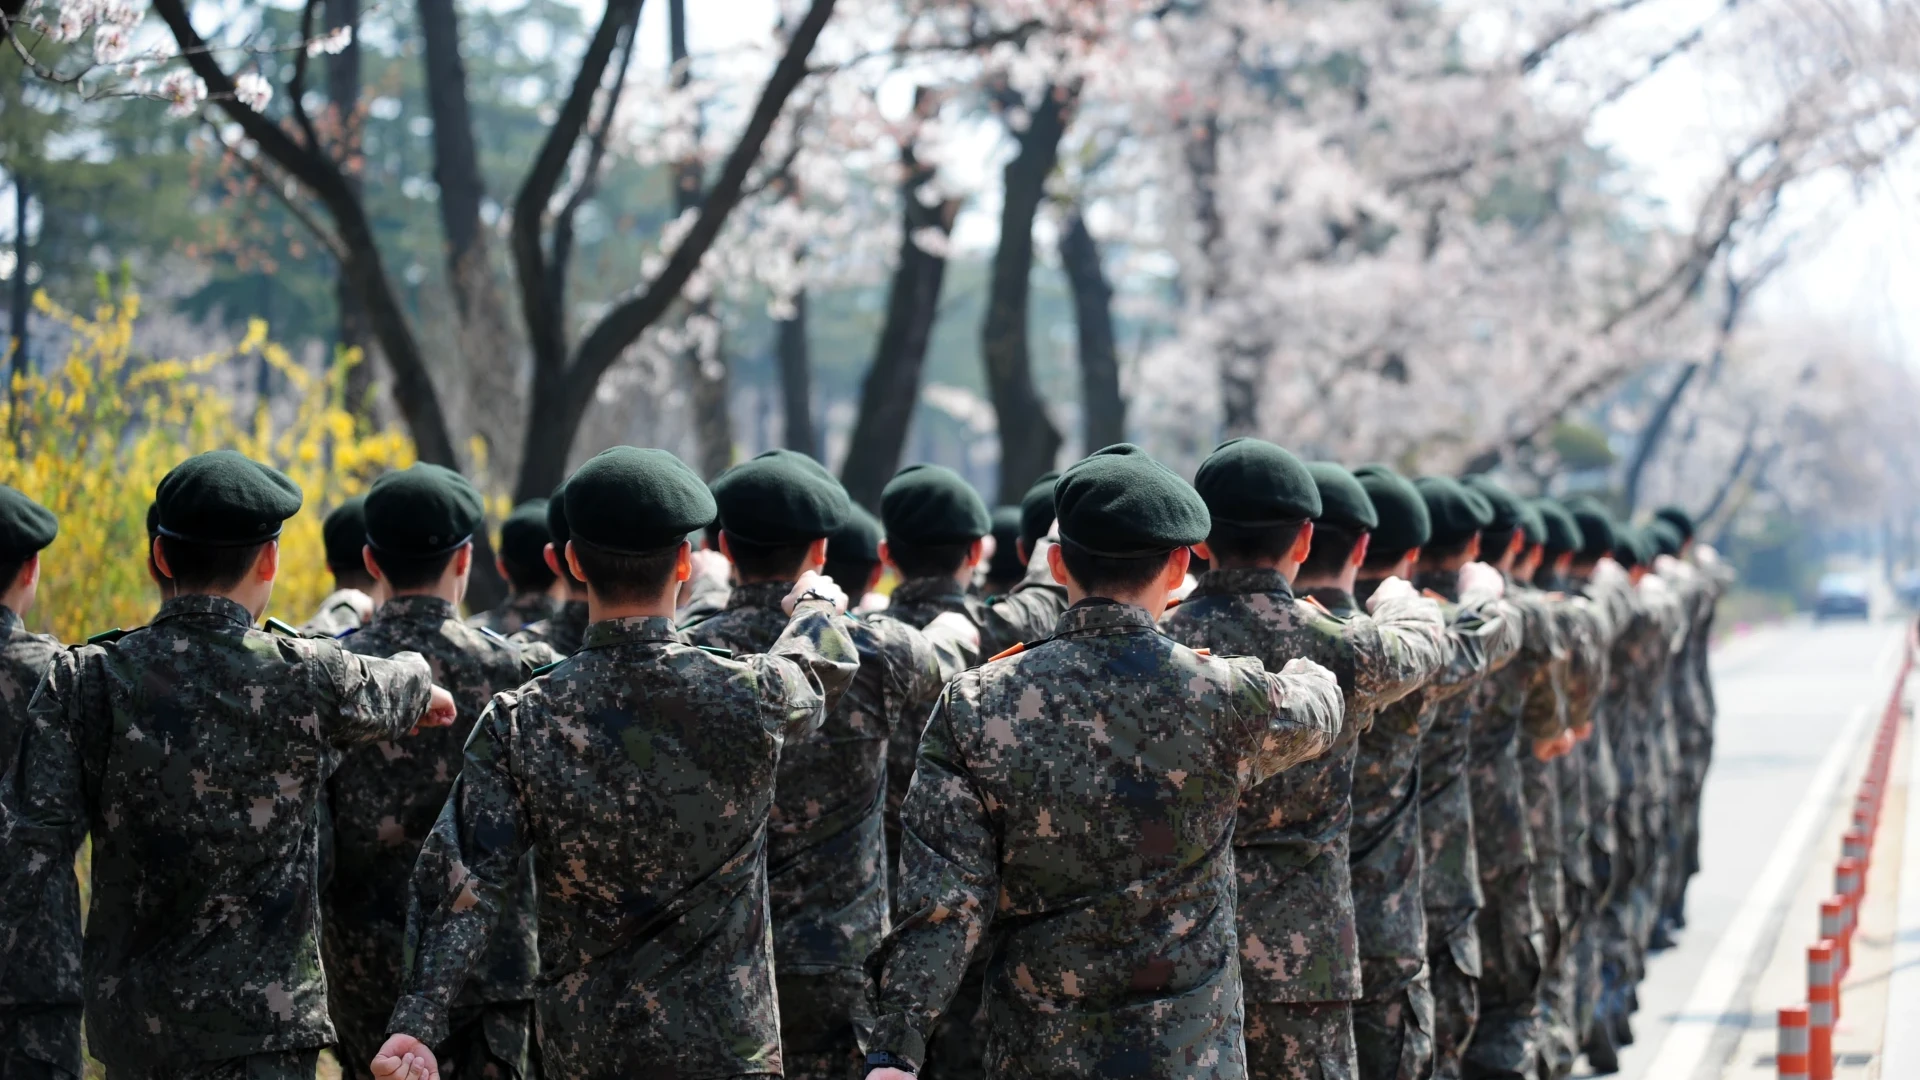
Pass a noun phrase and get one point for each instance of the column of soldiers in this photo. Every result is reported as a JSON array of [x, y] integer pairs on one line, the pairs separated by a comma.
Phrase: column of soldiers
[[1290, 772]]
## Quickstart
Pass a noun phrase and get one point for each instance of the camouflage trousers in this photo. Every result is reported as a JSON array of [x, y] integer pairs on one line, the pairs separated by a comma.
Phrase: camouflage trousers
[[1559, 1029], [1454, 963], [493, 1041], [40, 1042], [817, 1036], [278, 1065], [1393, 1036], [1300, 1040], [1505, 1042]]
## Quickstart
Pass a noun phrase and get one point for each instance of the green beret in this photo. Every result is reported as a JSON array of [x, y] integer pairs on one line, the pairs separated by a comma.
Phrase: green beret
[[1404, 521], [1631, 547], [857, 540], [1036, 509], [1681, 521], [780, 497], [1119, 503], [1563, 533], [222, 498], [1457, 513], [1532, 525], [422, 512], [1506, 507], [1664, 535], [929, 504], [634, 502], [1596, 527], [25, 526], [557, 531], [344, 533], [1006, 535], [524, 535], [1343, 499], [1251, 483]]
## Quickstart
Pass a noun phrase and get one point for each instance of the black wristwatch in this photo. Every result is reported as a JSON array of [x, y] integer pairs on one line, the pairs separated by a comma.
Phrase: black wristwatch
[[880, 1059], [812, 595]]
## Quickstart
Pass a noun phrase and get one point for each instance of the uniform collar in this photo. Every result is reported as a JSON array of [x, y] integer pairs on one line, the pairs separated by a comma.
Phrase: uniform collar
[[928, 588], [760, 594], [1253, 579], [634, 629], [203, 604], [10, 621], [1098, 615], [1444, 582], [1336, 600], [425, 608]]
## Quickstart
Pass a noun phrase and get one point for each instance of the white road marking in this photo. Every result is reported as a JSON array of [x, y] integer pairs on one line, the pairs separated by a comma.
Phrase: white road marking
[[1717, 993]]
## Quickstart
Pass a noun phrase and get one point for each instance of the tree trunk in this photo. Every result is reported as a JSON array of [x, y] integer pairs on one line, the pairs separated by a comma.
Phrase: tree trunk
[[796, 382], [1105, 412], [1650, 437], [20, 302], [354, 329], [706, 372], [1028, 439], [892, 386], [487, 343]]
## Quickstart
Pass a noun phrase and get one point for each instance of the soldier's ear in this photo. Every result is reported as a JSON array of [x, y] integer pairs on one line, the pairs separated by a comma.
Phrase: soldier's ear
[[683, 562], [366, 560], [1359, 556], [552, 557], [266, 565], [1201, 549]]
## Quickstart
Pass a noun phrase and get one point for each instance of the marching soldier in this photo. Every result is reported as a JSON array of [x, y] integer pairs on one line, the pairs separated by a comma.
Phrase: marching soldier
[[562, 631], [194, 750], [351, 603], [1074, 803], [1274, 523], [639, 773], [523, 562]]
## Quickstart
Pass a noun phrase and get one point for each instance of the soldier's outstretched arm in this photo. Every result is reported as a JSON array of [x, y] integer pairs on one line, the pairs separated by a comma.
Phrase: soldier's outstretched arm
[[43, 800], [1287, 717], [809, 667], [1408, 647], [949, 881], [472, 854], [366, 699]]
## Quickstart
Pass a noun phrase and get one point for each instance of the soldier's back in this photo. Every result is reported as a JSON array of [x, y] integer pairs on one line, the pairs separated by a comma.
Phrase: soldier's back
[[44, 965]]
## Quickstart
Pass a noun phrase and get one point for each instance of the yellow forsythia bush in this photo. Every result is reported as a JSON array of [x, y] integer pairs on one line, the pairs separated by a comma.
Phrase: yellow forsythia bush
[[91, 438]]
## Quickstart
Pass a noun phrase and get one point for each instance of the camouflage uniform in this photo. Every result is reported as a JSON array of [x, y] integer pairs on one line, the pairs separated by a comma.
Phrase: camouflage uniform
[[642, 770], [1450, 871], [341, 611], [384, 799], [1299, 953], [1612, 826], [1695, 595], [515, 614], [826, 855], [1026, 614], [562, 633], [1071, 816], [40, 964], [1522, 705], [195, 751], [1394, 1018]]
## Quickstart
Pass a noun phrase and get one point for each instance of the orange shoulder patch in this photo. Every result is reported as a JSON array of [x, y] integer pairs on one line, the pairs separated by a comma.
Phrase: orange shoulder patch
[[1172, 602], [1004, 653], [1315, 603], [1204, 652]]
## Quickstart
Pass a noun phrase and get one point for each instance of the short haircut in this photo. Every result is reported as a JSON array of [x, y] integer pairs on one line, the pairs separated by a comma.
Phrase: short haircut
[[1442, 552], [206, 568], [1100, 574], [1494, 543], [1239, 545], [526, 579], [1332, 546], [1378, 561], [927, 560], [619, 577], [765, 562], [851, 575], [405, 572], [10, 571]]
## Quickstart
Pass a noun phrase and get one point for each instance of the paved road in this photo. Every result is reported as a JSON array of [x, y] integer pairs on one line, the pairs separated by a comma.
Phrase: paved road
[[1786, 693]]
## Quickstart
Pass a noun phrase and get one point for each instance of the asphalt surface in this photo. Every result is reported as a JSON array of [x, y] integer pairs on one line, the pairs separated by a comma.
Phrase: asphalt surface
[[1788, 694]]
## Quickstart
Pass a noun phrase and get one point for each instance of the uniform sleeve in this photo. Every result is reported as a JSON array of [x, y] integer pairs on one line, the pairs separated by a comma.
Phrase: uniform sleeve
[[1408, 646], [1586, 671], [949, 880], [43, 800], [916, 667], [461, 876], [1543, 712], [367, 698], [806, 671], [1026, 615], [1286, 718]]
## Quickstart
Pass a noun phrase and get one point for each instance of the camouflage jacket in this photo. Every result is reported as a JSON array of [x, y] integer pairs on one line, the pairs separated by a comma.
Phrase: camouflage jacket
[[1296, 917], [562, 633], [385, 798], [826, 856], [515, 613], [706, 597], [1520, 705], [1610, 609], [1386, 857], [1583, 627], [1694, 601], [640, 772], [1073, 812], [40, 960], [341, 611], [195, 750]]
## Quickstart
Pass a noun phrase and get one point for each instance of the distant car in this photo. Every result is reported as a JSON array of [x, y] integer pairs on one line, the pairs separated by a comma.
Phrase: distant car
[[1842, 596]]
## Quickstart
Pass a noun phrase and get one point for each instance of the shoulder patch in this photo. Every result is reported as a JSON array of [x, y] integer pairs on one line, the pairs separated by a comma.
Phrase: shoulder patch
[[108, 637], [1431, 595], [724, 654], [275, 626], [1172, 602], [492, 633], [1005, 653], [1313, 602], [534, 673], [347, 633], [1203, 652]]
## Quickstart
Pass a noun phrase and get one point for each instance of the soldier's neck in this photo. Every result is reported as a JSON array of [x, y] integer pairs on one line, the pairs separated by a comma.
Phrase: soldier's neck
[[451, 587], [658, 607], [1344, 580]]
